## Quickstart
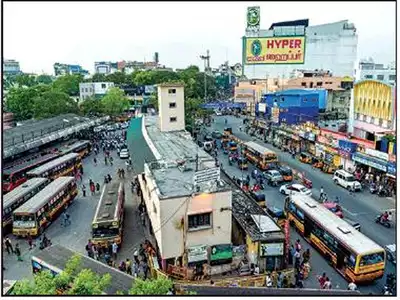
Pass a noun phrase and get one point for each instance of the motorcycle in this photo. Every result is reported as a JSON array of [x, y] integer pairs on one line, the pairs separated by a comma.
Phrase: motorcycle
[[373, 189], [390, 286], [379, 220]]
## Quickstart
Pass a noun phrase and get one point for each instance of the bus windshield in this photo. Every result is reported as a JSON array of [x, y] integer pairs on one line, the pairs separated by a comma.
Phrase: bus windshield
[[24, 221], [372, 259], [103, 231]]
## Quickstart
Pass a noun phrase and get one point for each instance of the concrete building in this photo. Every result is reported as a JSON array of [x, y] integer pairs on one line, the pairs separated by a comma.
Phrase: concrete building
[[67, 69], [171, 105], [96, 89], [367, 69], [331, 46], [105, 67], [11, 67], [374, 109]]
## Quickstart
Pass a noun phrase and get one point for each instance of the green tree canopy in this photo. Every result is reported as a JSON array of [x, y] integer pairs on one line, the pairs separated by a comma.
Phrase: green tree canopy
[[91, 106], [25, 80], [115, 102], [44, 79], [68, 282], [68, 84], [159, 286], [98, 78], [117, 78], [53, 103]]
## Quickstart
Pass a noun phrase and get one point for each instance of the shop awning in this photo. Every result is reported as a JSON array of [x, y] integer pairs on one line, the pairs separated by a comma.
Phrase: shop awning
[[370, 161]]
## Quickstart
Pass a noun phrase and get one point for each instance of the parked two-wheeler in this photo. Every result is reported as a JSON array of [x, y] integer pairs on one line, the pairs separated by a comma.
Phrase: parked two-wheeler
[[379, 220]]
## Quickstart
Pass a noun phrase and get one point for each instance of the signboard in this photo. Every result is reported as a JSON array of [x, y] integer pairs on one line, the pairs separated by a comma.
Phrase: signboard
[[197, 253], [346, 148], [207, 175], [274, 249], [274, 50], [377, 154], [262, 107], [391, 168], [253, 18], [275, 114], [365, 160], [239, 251], [221, 252]]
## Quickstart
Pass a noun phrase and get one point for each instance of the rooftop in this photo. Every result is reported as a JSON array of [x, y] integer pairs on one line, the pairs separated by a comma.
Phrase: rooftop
[[171, 84]]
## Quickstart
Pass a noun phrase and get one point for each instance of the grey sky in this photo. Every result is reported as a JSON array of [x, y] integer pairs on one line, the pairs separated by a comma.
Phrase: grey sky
[[40, 34]]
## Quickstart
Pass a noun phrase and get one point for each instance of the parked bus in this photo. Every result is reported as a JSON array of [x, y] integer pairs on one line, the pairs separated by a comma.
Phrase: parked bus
[[19, 196], [65, 165], [108, 220], [55, 258], [354, 255], [43, 208], [83, 148], [259, 155], [16, 175]]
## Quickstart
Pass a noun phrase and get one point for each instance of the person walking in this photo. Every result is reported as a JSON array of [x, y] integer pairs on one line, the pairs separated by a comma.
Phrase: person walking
[[96, 252], [18, 252], [8, 245], [95, 161], [122, 173], [30, 241], [321, 194], [109, 178], [114, 250], [298, 245], [105, 160], [327, 285], [111, 160], [83, 190], [66, 220], [136, 256], [128, 265], [306, 256], [92, 188], [321, 280], [105, 180], [98, 187]]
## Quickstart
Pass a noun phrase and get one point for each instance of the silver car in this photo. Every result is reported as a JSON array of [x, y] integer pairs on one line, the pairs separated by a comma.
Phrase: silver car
[[391, 253]]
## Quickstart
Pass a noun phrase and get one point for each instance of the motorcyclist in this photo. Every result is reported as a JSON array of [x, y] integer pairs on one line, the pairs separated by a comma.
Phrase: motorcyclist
[[385, 217]]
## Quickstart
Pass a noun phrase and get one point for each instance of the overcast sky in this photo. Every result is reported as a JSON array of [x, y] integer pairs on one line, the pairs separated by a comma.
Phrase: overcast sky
[[40, 34]]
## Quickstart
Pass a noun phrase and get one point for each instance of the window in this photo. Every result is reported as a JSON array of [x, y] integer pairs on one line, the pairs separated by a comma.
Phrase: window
[[380, 77], [311, 84], [172, 119], [304, 84], [200, 221], [392, 77], [172, 105], [368, 77], [103, 85], [171, 91], [372, 259], [319, 83]]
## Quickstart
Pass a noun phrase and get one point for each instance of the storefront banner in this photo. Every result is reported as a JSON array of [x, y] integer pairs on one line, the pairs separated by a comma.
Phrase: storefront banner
[[328, 141], [239, 251], [347, 148], [197, 253], [377, 154], [391, 168], [370, 161], [219, 252], [273, 249]]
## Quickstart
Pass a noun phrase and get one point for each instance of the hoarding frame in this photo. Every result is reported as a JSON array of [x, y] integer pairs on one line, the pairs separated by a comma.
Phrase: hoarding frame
[[244, 42]]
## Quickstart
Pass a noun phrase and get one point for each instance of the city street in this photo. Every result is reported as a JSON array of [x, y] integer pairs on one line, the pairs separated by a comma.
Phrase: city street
[[76, 235], [362, 207]]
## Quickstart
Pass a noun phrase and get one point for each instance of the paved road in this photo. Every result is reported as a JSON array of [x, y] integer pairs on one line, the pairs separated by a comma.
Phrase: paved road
[[82, 211], [362, 207]]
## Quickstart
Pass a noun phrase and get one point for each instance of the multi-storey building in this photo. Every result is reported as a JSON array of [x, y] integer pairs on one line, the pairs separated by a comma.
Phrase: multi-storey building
[[94, 89], [67, 69], [11, 67], [367, 69]]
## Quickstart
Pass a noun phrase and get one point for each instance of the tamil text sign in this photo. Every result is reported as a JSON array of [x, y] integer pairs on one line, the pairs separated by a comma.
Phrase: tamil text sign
[[274, 50], [207, 175], [221, 252], [273, 249], [197, 253]]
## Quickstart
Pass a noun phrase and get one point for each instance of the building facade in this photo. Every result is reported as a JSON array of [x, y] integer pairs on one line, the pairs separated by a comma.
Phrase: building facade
[[94, 89], [374, 109], [330, 47], [11, 67], [67, 69], [105, 67], [171, 105], [367, 69]]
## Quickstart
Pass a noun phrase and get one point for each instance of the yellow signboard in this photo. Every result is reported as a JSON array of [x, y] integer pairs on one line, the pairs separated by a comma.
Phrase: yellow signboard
[[274, 50]]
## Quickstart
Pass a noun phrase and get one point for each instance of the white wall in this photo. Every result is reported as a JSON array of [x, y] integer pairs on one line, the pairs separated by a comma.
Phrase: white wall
[[101, 88], [165, 112]]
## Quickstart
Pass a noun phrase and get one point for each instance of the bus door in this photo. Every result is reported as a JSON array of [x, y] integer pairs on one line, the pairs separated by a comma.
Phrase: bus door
[[341, 254], [308, 226]]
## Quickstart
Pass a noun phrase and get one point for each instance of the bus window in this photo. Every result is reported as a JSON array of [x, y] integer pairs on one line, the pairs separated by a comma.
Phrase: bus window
[[351, 262], [104, 232], [292, 208], [300, 214], [372, 259]]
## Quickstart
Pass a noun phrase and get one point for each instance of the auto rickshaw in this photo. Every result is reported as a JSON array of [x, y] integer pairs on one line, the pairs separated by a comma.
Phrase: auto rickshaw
[[317, 163], [232, 146], [227, 131], [328, 168], [242, 163], [305, 158]]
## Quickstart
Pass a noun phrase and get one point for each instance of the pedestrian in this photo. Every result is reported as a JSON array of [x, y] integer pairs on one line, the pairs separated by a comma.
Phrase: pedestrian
[[8, 245], [298, 245], [145, 269], [280, 279], [111, 160], [105, 160], [83, 190], [109, 178], [92, 188], [321, 194], [95, 161], [321, 280], [18, 252], [30, 241], [142, 217], [127, 165], [327, 285], [296, 259], [268, 280], [66, 220], [122, 266], [95, 252], [352, 286], [291, 251], [128, 264], [136, 256], [105, 180], [114, 250], [98, 187], [81, 170], [123, 173], [132, 187], [306, 256]]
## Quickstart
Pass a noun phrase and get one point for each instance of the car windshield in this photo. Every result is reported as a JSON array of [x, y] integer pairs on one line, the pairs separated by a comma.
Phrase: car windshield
[[303, 189], [350, 178]]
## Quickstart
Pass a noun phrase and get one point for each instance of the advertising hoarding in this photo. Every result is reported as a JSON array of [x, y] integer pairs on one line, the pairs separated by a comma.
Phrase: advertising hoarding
[[197, 253], [221, 252], [273, 249], [274, 50]]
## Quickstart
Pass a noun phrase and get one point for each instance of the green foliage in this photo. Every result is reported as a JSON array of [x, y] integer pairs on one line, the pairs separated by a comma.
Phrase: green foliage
[[91, 106], [89, 283], [154, 101], [20, 101], [114, 102], [68, 84], [44, 79], [42, 284], [117, 78], [159, 286], [98, 78], [53, 103], [25, 80]]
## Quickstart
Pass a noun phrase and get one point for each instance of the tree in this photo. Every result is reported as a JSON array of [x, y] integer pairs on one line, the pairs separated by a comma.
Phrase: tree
[[53, 103], [91, 106], [68, 84], [159, 286], [44, 79], [117, 78], [25, 80], [98, 78], [114, 102], [70, 282], [20, 101]]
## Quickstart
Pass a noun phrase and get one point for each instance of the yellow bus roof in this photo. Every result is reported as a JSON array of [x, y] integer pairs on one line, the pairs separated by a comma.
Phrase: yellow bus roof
[[51, 164], [107, 207], [257, 147], [340, 229]]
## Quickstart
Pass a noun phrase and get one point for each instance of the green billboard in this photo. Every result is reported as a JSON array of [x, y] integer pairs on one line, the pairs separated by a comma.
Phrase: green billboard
[[221, 252]]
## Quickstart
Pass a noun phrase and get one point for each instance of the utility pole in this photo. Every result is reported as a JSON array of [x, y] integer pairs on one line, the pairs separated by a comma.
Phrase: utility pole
[[206, 59]]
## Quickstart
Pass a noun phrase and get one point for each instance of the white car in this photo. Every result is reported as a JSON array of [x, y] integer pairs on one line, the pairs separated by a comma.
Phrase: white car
[[346, 180], [124, 153], [295, 188]]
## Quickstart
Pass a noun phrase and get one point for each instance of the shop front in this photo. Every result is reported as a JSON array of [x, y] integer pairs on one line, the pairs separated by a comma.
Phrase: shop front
[[307, 142], [197, 256], [288, 139], [346, 150], [273, 254], [370, 164]]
